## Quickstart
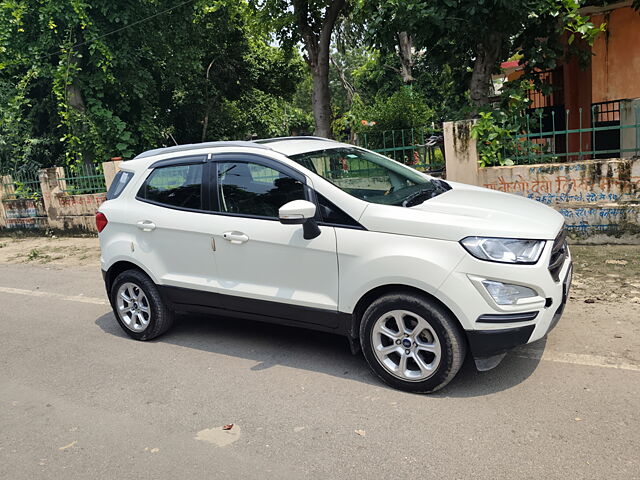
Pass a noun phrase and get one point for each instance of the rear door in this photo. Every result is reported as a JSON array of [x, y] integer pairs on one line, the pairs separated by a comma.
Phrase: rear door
[[172, 225]]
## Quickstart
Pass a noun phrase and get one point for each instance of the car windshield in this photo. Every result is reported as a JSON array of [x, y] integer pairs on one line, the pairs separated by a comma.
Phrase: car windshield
[[371, 177]]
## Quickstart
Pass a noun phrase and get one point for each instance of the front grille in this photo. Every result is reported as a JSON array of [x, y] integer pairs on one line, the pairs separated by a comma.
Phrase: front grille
[[558, 255]]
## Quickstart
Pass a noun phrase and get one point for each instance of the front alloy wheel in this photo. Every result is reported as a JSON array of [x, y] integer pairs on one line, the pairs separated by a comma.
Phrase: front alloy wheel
[[406, 345], [412, 342]]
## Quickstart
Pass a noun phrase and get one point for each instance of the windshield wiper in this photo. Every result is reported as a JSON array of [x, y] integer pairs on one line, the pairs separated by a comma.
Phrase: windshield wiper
[[418, 197], [437, 187]]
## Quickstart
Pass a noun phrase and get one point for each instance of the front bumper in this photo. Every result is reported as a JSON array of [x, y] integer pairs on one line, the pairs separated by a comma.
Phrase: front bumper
[[493, 329]]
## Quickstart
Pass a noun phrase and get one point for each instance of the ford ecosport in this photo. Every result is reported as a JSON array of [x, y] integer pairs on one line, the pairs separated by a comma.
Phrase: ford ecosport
[[303, 231]]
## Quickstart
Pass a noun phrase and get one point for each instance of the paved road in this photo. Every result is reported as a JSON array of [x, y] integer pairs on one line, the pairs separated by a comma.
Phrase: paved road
[[80, 400]]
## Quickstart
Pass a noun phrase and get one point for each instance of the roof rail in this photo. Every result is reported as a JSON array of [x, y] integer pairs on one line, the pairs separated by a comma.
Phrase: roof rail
[[197, 146], [263, 141]]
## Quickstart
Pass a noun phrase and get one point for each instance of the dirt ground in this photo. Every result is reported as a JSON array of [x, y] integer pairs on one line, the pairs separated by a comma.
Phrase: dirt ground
[[602, 273], [51, 250]]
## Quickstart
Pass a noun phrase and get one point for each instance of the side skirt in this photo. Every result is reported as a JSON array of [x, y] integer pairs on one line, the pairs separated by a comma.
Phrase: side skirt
[[189, 300]]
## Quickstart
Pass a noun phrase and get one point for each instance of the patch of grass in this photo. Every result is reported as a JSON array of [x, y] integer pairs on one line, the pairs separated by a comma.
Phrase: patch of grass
[[36, 254]]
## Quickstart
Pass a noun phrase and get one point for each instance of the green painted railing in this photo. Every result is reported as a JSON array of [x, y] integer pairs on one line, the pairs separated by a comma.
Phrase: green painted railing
[[601, 135], [82, 179], [21, 185], [419, 147]]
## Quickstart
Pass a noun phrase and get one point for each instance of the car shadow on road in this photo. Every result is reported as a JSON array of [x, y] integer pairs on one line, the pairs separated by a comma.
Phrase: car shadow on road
[[270, 345]]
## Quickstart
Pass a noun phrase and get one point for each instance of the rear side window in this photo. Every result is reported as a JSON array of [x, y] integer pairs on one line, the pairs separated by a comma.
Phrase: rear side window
[[174, 186], [119, 182]]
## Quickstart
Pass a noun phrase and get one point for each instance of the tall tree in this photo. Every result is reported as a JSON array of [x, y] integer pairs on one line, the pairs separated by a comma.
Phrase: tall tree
[[392, 25], [484, 32], [316, 21], [312, 23]]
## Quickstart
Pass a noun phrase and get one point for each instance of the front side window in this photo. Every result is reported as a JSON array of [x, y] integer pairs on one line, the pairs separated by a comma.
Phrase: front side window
[[371, 177], [175, 186], [252, 189]]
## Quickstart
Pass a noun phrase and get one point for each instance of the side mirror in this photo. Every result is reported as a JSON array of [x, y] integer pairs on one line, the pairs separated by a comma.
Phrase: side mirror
[[300, 212]]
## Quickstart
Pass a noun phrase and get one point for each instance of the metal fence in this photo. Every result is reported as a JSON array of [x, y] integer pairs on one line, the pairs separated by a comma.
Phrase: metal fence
[[421, 147], [21, 185], [552, 135], [82, 179]]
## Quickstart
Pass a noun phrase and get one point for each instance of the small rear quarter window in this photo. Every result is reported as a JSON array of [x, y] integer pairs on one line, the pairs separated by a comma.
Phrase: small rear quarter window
[[119, 182], [174, 186]]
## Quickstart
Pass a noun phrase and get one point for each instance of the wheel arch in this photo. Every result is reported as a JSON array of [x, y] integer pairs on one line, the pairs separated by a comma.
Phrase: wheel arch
[[379, 291], [121, 266]]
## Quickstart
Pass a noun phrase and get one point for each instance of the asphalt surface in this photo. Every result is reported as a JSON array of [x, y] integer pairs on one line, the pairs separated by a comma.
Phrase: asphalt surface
[[79, 399]]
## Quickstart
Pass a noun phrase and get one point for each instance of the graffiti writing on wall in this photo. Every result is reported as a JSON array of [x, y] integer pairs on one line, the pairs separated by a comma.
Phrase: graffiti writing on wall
[[560, 188], [592, 196]]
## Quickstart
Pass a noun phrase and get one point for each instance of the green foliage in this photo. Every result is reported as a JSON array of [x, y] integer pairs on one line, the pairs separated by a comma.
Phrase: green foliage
[[81, 81], [500, 139], [403, 109], [493, 138], [26, 190], [455, 33], [73, 92]]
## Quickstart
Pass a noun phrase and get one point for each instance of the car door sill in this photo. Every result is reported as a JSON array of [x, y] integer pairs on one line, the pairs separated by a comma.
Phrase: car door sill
[[192, 300]]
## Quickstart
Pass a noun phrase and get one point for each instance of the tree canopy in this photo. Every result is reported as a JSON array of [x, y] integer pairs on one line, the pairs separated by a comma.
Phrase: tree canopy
[[81, 82]]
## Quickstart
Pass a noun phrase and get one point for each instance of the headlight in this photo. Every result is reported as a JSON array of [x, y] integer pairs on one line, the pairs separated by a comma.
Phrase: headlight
[[504, 250]]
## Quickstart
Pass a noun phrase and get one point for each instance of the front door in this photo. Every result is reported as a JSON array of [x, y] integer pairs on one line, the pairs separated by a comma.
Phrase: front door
[[265, 267]]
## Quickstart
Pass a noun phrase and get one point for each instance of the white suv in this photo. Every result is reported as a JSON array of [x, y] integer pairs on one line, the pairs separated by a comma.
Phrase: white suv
[[309, 232]]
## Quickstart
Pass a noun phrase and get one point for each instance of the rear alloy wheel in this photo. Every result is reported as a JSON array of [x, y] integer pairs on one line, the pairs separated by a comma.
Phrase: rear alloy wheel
[[133, 307], [138, 306], [411, 342]]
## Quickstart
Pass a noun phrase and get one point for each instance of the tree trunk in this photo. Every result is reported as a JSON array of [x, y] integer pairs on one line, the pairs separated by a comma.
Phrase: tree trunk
[[348, 88], [317, 40], [74, 97], [207, 105], [75, 100], [487, 53], [321, 97], [405, 52]]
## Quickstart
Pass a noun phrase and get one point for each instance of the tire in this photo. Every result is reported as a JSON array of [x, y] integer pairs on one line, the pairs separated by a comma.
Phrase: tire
[[430, 340], [154, 317]]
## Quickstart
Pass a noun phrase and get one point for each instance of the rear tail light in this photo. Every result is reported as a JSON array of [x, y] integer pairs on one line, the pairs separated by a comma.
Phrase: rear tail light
[[101, 221]]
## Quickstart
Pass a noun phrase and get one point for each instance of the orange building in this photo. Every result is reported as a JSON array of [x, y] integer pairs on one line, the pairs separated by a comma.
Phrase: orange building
[[604, 94]]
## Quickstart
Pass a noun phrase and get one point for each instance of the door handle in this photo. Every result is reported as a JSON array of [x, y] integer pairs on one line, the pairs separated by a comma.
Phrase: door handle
[[235, 237], [146, 225]]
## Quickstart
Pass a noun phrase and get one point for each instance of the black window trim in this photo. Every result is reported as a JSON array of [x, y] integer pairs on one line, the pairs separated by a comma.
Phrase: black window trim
[[209, 184], [176, 162], [183, 160], [321, 221]]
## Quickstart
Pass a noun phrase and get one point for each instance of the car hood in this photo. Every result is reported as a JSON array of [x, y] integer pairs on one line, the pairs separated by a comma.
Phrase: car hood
[[467, 211]]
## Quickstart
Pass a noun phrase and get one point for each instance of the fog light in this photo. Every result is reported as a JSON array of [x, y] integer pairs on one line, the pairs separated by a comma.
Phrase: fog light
[[507, 293]]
